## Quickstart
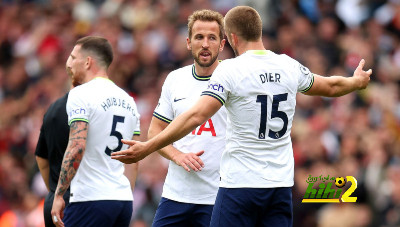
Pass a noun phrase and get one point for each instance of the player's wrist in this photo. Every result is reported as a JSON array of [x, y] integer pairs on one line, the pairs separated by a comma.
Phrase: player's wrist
[[357, 83], [175, 158], [149, 147], [59, 195]]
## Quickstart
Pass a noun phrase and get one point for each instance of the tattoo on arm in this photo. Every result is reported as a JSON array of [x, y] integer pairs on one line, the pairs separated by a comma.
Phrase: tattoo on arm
[[73, 155]]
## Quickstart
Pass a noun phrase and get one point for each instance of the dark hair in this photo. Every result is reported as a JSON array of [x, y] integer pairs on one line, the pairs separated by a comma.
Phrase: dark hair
[[206, 15], [97, 47], [245, 22]]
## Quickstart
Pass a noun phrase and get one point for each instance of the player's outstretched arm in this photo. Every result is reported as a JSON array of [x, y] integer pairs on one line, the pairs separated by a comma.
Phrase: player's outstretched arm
[[186, 160], [335, 86], [205, 107], [70, 164]]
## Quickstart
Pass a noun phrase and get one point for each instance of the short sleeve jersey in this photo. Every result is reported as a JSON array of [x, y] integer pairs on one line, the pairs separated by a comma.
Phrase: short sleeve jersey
[[111, 115], [181, 89], [258, 89]]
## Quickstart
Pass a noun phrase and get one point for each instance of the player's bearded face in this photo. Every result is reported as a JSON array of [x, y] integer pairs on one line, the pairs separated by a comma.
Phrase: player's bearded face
[[205, 42], [205, 54], [75, 77], [74, 67]]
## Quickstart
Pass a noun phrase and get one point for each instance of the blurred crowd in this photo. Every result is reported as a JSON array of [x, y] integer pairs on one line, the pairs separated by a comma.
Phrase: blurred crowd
[[354, 135]]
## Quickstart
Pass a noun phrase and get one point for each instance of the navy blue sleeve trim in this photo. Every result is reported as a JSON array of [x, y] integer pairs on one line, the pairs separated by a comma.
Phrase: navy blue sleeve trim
[[162, 118], [219, 98]]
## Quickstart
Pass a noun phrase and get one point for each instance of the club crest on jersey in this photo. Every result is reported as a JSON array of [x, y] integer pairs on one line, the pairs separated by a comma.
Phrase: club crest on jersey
[[216, 87], [304, 70]]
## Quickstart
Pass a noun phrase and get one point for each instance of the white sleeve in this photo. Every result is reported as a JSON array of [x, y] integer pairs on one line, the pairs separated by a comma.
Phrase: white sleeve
[[305, 77], [137, 126], [163, 110], [77, 107], [219, 85]]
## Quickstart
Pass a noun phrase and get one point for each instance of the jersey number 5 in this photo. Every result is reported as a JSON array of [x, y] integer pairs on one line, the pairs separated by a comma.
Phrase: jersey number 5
[[263, 99], [115, 133]]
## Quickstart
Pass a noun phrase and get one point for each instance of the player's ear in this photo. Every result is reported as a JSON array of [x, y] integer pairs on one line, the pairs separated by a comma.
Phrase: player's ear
[[222, 44], [234, 38], [89, 62], [188, 43]]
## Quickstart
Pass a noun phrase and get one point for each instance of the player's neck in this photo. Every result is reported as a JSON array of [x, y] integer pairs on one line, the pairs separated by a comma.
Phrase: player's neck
[[245, 46], [95, 73], [205, 71]]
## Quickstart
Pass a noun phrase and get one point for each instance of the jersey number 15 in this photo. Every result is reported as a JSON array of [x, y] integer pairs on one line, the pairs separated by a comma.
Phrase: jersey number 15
[[275, 113]]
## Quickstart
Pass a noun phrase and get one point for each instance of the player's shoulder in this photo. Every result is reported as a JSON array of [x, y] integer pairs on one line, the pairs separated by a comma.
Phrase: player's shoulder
[[229, 61], [225, 66], [93, 88], [286, 59], [181, 72], [78, 90], [178, 75], [118, 91]]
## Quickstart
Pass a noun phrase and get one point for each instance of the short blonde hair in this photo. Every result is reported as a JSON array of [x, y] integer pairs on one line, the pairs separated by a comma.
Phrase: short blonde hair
[[245, 22], [206, 15], [99, 47]]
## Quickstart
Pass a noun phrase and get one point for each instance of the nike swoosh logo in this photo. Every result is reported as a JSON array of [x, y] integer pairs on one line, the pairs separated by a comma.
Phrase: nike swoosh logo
[[176, 100]]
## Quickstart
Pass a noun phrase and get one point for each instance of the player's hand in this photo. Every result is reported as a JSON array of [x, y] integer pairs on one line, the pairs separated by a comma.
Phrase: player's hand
[[136, 152], [363, 77], [57, 212], [191, 160]]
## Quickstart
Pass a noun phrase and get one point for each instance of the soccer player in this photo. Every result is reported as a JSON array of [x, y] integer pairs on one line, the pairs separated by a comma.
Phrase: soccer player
[[258, 89], [188, 196], [100, 114]]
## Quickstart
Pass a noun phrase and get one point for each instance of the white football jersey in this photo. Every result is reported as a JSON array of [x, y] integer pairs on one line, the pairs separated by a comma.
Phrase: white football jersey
[[258, 89], [111, 115], [181, 89]]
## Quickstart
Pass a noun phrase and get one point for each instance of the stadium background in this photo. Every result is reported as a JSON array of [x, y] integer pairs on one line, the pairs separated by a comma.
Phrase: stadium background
[[355, 135]]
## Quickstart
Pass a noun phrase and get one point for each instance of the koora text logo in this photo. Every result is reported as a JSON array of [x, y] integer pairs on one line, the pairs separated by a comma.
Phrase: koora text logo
[[216, 87], [329, 193]]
